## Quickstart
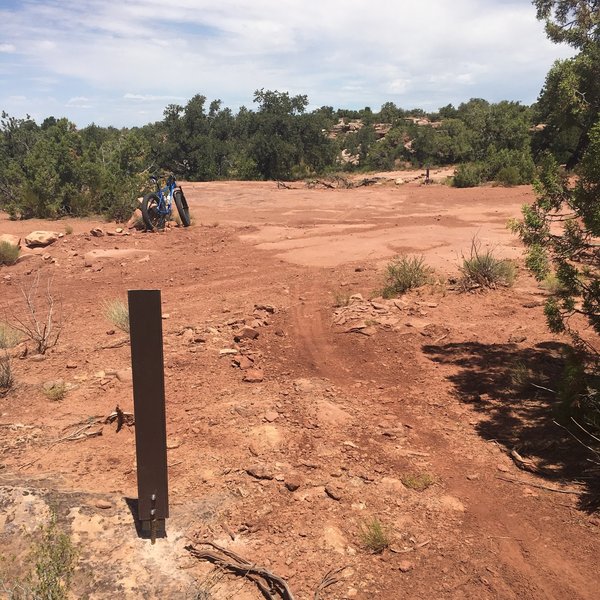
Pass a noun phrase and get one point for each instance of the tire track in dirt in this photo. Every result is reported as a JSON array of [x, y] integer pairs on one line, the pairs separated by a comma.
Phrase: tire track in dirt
[[526, 563]]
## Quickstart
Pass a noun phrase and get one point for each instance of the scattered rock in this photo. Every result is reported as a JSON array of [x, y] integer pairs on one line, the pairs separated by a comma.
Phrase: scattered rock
[[271, 416], [71, 365], [253, 376], [135, 220], [228, 352], [41, 239], [124, 375], [244, 363], [266, 307], [260, 472], [473, 476], [173, 443], [97, 232], [103, 504], [37, 358], [246, 332], [517, 338], [8, 238], [47, 386], [293, 482], [334, 492], [503, 468], [405, 566]]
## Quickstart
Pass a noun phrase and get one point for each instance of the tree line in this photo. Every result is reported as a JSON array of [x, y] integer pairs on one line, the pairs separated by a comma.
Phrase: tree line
[[54, 168]]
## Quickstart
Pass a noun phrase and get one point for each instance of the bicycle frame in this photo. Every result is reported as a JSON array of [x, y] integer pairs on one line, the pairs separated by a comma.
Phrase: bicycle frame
[[165, 194]]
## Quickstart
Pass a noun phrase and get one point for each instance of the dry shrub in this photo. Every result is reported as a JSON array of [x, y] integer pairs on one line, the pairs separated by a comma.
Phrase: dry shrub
[[405, 273], [483, 269]]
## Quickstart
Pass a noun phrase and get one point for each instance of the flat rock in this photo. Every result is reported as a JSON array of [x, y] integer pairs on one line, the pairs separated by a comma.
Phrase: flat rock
[[248, 333], [517, 338], [97, 232], [40, 239], [124, 375], [8, 238], [113, 254], [335, 492], [260, 472], [103, 504], [253, 376], [271, 416]]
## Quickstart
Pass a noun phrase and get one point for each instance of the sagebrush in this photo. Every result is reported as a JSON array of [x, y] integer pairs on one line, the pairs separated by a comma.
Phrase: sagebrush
[[405, 273], [117, 313], [9, 253], [374, 536], [483, 269]]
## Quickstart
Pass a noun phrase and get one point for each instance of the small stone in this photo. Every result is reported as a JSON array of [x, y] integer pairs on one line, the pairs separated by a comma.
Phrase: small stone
[[124, 375], [503, 468], [293, 482], [173, 443], [119, 230], [53, 384], [166, 316], [517, 338], [266, 307], [97, 232], [405, 566], [228, 351], [334, 492], [245, 363], [37, 358], [103, 504], [47, 257], [71, 366], [253, 376], [260, 472], [246, 332], [271, 416], [473, 476]]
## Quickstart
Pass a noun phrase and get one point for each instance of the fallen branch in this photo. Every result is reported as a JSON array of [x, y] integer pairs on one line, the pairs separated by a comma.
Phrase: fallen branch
[[330, 578], [267, 582], [539, 486], [121, 417], [116, 344]]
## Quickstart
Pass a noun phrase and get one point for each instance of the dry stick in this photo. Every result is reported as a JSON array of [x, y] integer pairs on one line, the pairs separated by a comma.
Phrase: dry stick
[[539, 486], [576, 438], [245, 569], [330, 578], [585, 430]]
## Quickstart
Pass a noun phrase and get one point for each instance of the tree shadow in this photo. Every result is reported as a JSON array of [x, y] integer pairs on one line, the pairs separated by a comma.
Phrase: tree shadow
[[498, 380]]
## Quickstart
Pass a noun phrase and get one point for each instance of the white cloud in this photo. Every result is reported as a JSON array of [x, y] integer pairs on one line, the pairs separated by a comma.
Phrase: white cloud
[[339, 52], [150, 97], [8, 48], [79, 102]]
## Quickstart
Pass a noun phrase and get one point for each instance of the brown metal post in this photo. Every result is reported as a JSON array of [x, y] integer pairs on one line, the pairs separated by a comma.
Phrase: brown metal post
[[145, 327]]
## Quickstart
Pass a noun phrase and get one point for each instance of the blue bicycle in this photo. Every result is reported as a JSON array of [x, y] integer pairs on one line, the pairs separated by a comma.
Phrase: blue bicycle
[[157, 206]]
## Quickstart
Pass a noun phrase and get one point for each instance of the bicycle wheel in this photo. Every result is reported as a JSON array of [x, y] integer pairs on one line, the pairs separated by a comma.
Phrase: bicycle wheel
[[182, 208], [153, 218]]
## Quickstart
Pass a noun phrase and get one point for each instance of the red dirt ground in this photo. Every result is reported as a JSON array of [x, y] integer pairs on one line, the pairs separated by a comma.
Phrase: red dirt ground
[[421, 387]]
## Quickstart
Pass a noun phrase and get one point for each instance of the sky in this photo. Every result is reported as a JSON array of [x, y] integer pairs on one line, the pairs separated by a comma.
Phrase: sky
[[122, 62]]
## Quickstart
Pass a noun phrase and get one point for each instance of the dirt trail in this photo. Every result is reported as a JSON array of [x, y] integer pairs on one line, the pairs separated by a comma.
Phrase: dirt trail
[[360, 398]]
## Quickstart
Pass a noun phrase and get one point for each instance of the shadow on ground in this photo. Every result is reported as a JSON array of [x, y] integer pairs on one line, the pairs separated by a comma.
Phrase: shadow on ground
[[497, 380]]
